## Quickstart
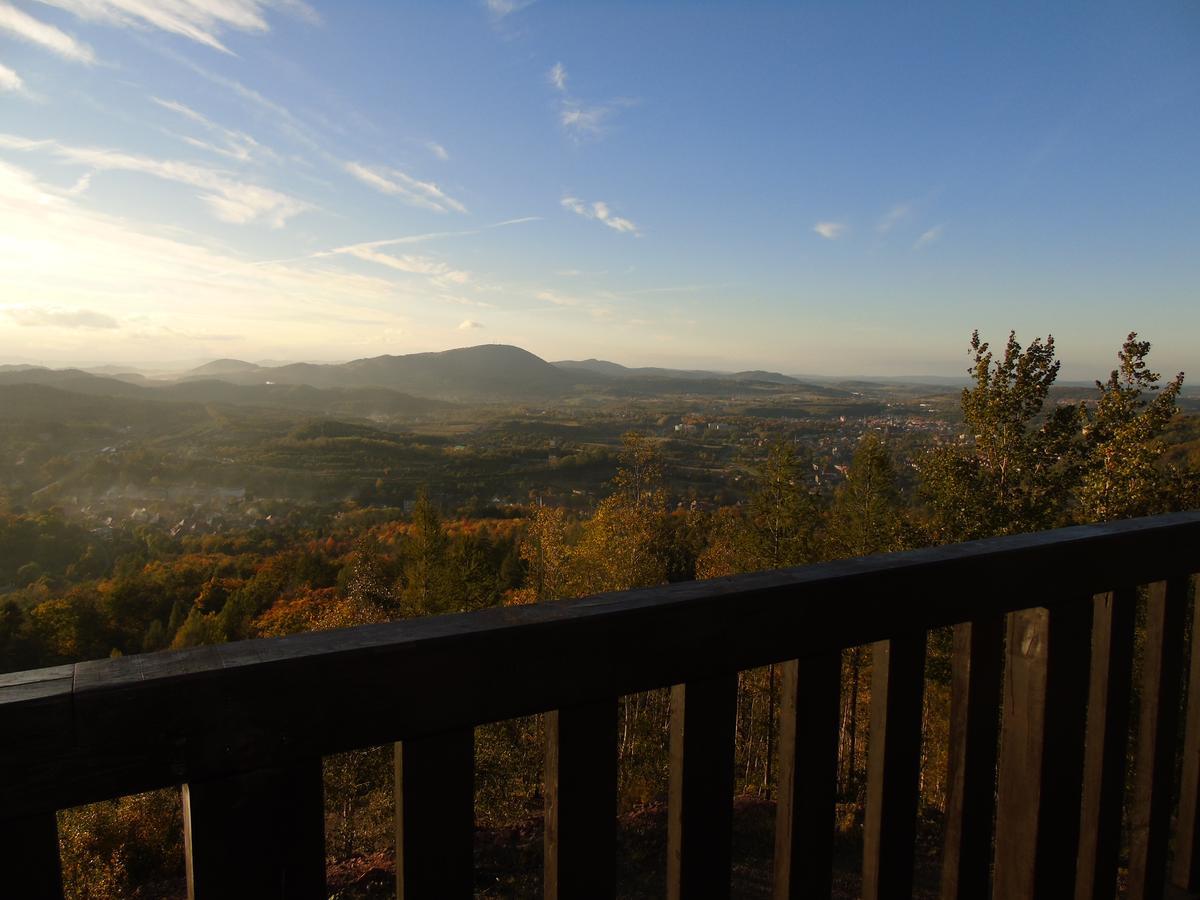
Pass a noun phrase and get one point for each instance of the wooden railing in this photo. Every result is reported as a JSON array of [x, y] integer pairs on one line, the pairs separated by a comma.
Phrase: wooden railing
[[1041, 687]]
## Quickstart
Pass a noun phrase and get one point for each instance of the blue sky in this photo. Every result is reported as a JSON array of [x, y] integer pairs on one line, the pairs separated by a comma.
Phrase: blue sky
[[819, 188]]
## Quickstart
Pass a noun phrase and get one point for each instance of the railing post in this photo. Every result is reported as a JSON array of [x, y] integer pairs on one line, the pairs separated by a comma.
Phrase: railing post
[[1107, 739], [256, 834], [1040, 778], [1158, 730], [29, 860], [808, 750], [435, 817], [893, 766], [581, 802], [1185, 868], [700, 801], [976, 669]]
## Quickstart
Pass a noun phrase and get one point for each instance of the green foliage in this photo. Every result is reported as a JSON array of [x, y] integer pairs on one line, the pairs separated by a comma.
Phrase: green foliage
[[1121, 472], [784, 514], [622, 543], [199, 629], [867, 516], [782, 526], [426, 568], [1011, 473]]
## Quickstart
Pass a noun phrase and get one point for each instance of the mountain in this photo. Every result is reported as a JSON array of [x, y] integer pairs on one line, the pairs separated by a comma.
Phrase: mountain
[[42, 403], [73, 380], [598, 366], [486, 372], [220, 367], [363, 402], [412, 384], [616, 370]]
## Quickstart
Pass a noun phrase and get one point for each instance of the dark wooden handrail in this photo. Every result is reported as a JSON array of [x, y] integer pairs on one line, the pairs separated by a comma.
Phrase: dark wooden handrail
[[252, 716]]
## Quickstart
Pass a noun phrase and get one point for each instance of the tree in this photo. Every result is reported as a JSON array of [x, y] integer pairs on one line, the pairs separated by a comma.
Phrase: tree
[[426, 591], [784, 515], [547, 556], [866, 516], [621, 543], [1010, 472], [1121, 472]]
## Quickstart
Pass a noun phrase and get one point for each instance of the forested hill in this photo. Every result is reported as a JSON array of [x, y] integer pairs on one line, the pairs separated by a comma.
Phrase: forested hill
[[62, 388], [486, 372]]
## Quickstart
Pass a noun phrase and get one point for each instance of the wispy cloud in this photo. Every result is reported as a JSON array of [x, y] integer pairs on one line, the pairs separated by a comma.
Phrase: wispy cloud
[[237, 145], [27, 28], [501, 8], [228, 199], [202, 21], [579, 118], [437, 150], [893, 217], [386, 180], [150, 279], [558, 299], [599, 211], [929, 236], [428, 236], [469, 325], [32, 317], [831, 231], [10, 80], [436, 270]]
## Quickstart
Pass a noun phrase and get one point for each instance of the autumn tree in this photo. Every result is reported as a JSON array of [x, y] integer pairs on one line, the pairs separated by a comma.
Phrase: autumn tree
[[547, 555], [620, 547]]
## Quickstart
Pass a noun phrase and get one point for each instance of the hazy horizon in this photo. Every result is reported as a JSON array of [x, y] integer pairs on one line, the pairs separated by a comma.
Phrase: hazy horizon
[[170, 368], [837, 191]]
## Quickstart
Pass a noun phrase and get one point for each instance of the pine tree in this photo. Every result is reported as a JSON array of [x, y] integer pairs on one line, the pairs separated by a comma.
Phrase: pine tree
[[426, 591], [784, 514], [866, 516]]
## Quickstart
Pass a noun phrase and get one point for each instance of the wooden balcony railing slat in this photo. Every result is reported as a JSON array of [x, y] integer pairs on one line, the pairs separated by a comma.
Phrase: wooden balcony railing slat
[[1040, 779], [700, 798], [893, 766], [809, 711], [435, 817], [976, 671], [30, 866], [257, 834], [224, 718], [1158, 733], [1105, 756], [118, 728], [1185, 867], [581, 802]]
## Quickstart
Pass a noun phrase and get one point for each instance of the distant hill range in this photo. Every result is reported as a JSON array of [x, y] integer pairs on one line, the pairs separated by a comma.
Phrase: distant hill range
[[413, 384], [616, 370], [486, 373]]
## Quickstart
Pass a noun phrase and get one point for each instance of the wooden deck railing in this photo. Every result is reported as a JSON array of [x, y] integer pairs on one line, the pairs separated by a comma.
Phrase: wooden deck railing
[[1041, 687]]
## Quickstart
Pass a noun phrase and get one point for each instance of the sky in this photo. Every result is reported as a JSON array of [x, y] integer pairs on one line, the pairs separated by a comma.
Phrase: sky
[[805, 187]]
